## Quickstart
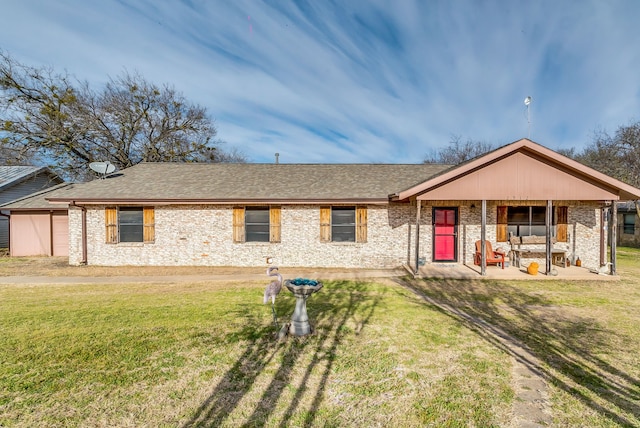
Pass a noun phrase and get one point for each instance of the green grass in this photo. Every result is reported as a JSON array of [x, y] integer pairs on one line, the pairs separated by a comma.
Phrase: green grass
[[586, 333], [203, 354]]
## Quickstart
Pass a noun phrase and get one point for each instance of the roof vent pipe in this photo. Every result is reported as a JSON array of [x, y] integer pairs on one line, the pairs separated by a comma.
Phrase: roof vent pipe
[[277, 156]]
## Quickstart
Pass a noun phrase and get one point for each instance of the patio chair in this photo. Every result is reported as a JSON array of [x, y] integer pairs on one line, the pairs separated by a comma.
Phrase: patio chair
[[492, 257]]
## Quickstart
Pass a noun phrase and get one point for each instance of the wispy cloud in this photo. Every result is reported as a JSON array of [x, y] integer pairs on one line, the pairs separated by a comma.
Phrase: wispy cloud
[[367, 81]]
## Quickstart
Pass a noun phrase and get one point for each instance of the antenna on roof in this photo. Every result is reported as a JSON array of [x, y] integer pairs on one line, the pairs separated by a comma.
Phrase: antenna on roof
[[102, 168], [527, 102], [277, 156]]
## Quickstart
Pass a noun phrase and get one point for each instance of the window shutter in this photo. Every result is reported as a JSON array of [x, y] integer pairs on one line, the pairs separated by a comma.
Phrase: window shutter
[[238, 224], [325, 224], [274, 224], [501, 225], [361, 224], [562, 224], [149, 225], [111, 225]]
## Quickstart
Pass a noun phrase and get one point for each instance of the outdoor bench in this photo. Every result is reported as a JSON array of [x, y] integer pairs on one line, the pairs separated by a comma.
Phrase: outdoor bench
[[535, 247]]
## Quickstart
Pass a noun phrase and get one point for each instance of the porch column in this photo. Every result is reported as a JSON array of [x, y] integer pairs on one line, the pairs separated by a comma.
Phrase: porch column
[[483, 237], [614, 235], [604, 232], [418, 205], [547, 222]]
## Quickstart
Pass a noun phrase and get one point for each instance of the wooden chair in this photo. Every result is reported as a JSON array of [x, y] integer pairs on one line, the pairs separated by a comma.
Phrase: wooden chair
[[492, 257]]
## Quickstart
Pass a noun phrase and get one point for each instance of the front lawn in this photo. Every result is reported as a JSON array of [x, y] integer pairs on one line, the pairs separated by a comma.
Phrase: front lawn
[[203, 354], [586, 334]]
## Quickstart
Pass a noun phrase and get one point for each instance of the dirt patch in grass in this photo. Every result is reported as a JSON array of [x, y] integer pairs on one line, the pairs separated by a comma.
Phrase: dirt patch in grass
[[59, 267]]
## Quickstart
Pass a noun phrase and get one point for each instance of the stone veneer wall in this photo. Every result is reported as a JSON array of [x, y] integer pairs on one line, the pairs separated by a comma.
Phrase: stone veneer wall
[[202, 235], [199, 235]]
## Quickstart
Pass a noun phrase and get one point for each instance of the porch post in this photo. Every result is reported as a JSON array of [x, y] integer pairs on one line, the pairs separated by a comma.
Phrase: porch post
[[419, 205], [548, 220], [483, 237], [614, 235], [604, 232]]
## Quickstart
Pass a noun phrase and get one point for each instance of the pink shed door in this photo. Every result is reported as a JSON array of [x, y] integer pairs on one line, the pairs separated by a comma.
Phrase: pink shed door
[[445, 233]]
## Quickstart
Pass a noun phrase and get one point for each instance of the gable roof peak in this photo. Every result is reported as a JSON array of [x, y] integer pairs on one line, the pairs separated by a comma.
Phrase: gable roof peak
[[532, 149]]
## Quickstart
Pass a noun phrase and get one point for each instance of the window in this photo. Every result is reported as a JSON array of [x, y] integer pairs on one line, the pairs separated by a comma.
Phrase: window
[[343, 224], [526, 221], [130, 224], [629, 224], [256, 224], [531, 221]]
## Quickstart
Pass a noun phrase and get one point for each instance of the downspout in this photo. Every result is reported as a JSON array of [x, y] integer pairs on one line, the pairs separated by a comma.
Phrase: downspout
[[83, 211], [408, 244]]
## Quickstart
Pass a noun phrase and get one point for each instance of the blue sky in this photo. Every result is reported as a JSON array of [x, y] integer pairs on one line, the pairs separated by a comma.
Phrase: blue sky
[[357, 81]]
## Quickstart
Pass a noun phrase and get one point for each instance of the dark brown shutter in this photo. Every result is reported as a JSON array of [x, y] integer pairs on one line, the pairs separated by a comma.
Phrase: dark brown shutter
[[238, 224], [562, 224], [274, 224], [111, 225], [361, 224], [325, 224], [149, 227], [501, 224]]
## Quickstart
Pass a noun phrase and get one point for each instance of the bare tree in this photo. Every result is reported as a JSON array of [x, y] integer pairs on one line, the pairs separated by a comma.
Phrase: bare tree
[[34, 109], [616, 155], [458, 151], [47, 118]]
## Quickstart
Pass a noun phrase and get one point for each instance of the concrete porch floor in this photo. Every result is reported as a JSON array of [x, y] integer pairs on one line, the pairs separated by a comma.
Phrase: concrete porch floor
[[463, 271]]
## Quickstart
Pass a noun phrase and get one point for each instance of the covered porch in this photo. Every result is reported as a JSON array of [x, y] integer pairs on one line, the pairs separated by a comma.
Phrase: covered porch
[[482, 196]]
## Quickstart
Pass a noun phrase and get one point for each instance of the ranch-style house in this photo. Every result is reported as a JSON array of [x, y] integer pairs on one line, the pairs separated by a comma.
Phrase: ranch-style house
[[525, 200]]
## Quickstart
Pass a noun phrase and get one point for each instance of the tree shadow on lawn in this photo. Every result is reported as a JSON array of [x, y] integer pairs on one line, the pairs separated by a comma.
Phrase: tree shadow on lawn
[[338, 303], [567, 343]]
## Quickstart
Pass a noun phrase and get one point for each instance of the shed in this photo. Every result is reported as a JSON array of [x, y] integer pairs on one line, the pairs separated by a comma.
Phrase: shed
[[628, 232], [37, 227]]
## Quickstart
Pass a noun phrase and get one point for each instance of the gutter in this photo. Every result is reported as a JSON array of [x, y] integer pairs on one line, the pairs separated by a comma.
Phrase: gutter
[[235, 201]]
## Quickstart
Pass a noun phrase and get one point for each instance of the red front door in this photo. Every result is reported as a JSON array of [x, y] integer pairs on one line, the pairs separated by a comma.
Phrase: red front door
[[445, 234]]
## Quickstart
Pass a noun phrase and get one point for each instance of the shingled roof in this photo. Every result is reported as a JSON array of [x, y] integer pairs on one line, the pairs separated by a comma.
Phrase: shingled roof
[[37, 201], [11, 175], [246, 182]]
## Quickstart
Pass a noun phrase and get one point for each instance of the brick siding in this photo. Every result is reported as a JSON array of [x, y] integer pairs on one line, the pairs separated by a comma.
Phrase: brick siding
[[201, 235]]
